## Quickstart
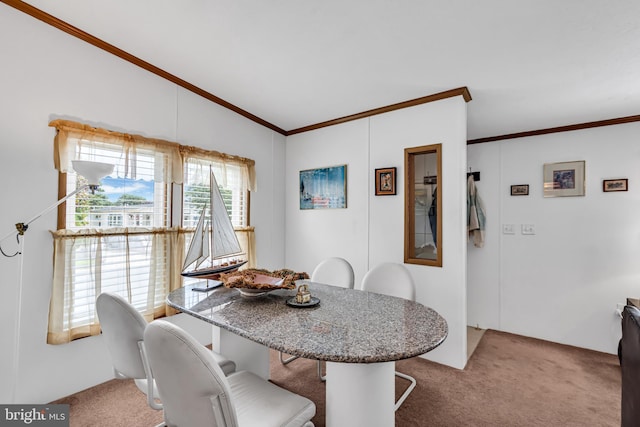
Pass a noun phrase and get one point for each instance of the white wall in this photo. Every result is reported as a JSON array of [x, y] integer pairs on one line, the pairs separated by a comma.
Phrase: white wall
[[371, 229], [563, 283], [47, 74], [312, 235]]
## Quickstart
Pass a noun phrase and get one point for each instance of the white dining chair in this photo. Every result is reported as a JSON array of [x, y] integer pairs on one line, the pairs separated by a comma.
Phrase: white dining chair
[[123, 332], [332, 271], [395, 280], [196, 392]]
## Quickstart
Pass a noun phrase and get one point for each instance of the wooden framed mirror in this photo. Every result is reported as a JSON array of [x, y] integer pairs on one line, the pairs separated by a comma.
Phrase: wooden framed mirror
[[423, 205]]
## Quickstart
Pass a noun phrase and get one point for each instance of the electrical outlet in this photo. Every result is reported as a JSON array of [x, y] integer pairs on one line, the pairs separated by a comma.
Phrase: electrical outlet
[[528, 229], [508, 229]]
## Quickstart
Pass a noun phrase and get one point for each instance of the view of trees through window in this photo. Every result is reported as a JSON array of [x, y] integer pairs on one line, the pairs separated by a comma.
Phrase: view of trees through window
[[196, 197], [123, 202], [119, 202]]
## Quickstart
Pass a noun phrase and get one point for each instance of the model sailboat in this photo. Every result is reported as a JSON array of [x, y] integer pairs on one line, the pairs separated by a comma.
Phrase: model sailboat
[[214, 248]]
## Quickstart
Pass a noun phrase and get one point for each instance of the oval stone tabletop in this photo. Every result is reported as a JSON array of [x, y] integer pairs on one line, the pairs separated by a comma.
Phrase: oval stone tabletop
[[348, 325]]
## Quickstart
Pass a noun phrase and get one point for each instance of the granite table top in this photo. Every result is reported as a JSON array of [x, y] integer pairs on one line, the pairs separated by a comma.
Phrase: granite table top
[[348, 325]]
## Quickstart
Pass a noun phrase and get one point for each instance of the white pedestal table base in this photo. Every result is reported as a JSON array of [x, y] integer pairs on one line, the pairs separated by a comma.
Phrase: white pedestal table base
[[360, 394], [248, 355]]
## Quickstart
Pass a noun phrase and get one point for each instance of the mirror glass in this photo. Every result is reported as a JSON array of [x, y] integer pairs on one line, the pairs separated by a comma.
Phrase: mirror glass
[[423, 205]]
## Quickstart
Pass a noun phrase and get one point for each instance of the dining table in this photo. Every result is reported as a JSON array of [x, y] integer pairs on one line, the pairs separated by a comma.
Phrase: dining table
[[359, 334]]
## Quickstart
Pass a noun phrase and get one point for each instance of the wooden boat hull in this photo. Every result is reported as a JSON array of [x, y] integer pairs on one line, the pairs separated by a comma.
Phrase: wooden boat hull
[[213, 273]]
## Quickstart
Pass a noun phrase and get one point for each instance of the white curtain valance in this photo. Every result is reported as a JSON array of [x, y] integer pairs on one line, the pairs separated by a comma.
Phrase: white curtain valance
[[73, 138]]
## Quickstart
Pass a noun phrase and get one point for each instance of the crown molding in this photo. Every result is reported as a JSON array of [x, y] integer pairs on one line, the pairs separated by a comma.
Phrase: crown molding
[[567, 128], [461, 91]]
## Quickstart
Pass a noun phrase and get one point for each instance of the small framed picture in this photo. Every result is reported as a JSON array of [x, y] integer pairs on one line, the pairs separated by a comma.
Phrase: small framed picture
[[386, 182], [520, 190], [615, 185], [564, 179]]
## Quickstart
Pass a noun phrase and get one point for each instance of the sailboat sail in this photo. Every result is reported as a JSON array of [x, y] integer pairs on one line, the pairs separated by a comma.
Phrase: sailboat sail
[[205, 246], [216, 244], [198, 243], [225, 241]]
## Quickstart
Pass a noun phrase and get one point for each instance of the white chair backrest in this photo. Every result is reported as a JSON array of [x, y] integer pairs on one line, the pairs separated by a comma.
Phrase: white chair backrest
[[122, 329], [334, 271], [194, 390], [390, 279]]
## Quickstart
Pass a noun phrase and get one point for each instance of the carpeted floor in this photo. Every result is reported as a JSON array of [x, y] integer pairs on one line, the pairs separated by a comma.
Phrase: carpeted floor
[[116, 403], [509, 381]]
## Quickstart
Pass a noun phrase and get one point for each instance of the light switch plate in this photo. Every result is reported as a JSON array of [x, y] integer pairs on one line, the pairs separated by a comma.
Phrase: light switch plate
[[508, 229], [528, 229]]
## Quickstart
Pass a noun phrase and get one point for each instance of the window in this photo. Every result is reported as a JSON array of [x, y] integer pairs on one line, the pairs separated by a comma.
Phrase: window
[[122, 239], [136, 187], [196, 191]]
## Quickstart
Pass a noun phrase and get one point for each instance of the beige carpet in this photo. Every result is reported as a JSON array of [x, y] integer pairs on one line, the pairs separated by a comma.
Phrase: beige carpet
[[116, 403], [509, 381]]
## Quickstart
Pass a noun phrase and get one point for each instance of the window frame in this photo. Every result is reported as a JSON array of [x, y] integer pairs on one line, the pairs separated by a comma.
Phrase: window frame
[[174, 203]]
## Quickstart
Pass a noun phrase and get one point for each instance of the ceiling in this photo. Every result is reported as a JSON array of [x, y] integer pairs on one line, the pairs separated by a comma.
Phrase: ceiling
[[529, 64]]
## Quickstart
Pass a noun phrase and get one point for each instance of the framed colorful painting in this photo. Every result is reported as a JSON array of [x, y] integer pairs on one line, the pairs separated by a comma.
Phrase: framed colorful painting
[[324, 188]]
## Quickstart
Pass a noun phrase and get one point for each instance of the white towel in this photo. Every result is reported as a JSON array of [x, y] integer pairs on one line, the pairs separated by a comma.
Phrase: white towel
[[475, 214]]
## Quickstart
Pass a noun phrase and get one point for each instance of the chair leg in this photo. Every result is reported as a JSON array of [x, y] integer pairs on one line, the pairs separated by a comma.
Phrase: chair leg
[[407, 391], [322, 377], [151, 397], [288, 360]]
